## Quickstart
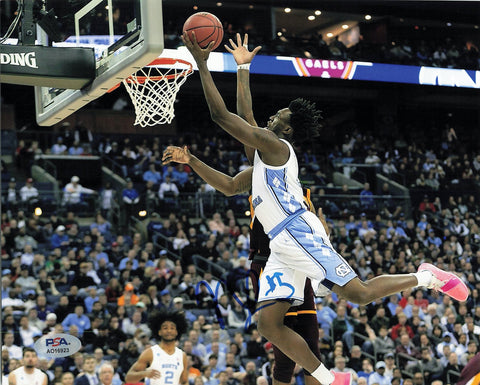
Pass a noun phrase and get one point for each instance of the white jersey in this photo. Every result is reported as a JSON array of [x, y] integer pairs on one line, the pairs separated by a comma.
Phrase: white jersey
[[276, 190], [170, 366], [23, 378]]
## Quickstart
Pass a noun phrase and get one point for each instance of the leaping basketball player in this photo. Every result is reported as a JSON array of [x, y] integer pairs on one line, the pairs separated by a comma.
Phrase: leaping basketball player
[[164, 363], [299, 245], [303, 318]]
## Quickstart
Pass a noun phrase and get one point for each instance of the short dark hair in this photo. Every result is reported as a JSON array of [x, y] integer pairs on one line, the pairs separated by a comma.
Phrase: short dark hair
[[305, 121], [26, 350]]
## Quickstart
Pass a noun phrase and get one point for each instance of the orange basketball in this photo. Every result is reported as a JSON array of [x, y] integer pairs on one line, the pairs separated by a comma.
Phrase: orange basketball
[[207, 28]]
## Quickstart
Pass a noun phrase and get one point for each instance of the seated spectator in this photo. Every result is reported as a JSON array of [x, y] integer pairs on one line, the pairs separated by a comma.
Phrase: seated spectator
[[168, 192], [366, 198], [130, 325], [14, 351], [129, 297], [75, 149], [410, 353], [29, 194], [11, 196], [72, 197], [77, 318], [216, 225], [85, 277], [449, 371], [379, 377], [341, 366], [130, 198], [152, 174], [426, 206], [383, 343], [103, 226], [180, 176], [28, 332], [26, 281], [22, 239], [59, 148]]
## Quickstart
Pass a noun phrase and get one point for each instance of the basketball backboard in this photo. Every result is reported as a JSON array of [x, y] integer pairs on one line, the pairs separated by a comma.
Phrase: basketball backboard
[[126, 35]]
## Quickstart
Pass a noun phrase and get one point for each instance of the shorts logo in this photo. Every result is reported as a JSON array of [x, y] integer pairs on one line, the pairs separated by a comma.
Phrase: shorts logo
[[343, 270], [277, 277]]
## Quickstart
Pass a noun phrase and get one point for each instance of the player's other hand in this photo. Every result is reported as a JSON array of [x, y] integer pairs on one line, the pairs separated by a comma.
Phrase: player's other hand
[[199, 54], [176, 154], [240, 51], [152, 373]]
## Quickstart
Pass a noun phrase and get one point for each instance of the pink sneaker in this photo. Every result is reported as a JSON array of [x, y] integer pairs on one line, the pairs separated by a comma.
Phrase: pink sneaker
[[446, 282], [341, 378]]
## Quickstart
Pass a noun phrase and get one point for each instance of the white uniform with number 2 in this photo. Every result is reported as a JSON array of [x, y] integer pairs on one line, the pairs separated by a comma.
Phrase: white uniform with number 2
[[169, 366]]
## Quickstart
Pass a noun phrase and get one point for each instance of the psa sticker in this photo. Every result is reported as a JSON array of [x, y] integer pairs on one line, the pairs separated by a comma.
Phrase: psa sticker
[[57, 345]]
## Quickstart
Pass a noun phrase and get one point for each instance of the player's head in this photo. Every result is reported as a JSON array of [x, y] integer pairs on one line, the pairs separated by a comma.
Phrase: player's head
[[30, 358], [169, 326], [305, 121]]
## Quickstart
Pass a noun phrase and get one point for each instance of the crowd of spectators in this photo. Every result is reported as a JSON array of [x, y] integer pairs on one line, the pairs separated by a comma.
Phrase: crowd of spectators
[[447, 164], [100, 285]]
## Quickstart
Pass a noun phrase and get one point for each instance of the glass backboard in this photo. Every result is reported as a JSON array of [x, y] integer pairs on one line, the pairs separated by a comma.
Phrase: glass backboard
[[126, 35]]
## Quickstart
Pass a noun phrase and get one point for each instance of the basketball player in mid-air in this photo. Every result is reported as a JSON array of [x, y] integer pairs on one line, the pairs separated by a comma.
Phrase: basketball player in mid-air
[[299, 245], [164, 363], [302, 318]]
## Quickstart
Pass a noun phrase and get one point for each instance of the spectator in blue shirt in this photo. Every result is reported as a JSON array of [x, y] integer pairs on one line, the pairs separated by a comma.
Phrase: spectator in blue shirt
[[59, 238], [433, 239], [78, 319], [131, 256], [92, 297], [76, 149], [152, 175], [366, 197], [422, 225], [130, 198], [325, 317], [379, 376], [180, 176]]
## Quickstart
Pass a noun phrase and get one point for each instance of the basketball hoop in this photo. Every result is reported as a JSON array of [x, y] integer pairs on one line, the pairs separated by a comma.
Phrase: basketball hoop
[[153, 89]]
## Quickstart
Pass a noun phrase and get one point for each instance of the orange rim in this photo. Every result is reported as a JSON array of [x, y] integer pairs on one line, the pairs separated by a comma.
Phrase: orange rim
[[158, 61]]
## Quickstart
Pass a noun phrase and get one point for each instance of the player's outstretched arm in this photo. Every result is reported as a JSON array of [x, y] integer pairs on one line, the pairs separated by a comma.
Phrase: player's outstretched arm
[[139, 370], [243, 57], [242, 182], [262, 139]]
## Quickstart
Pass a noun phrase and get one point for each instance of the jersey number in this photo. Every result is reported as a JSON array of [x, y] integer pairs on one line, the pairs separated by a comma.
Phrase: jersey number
[[169, 378]]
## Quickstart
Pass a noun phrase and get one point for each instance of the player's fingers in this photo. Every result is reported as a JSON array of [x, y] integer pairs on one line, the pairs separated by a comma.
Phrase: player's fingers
[[255, 51], [186, 38], [245, 40], [239, 39], [194, 38], [232, 43], [210, 46], [228, 48]]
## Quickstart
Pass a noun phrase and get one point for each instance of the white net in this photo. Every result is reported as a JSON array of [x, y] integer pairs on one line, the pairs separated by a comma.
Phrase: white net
[[153, 90]]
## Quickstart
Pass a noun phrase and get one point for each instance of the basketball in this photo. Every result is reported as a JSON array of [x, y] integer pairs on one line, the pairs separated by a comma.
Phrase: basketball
[[207, 28]]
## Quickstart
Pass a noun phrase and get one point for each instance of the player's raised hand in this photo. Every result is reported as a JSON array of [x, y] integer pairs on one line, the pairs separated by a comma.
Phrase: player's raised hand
[[240, 51], [176, 154], [199, 54]]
